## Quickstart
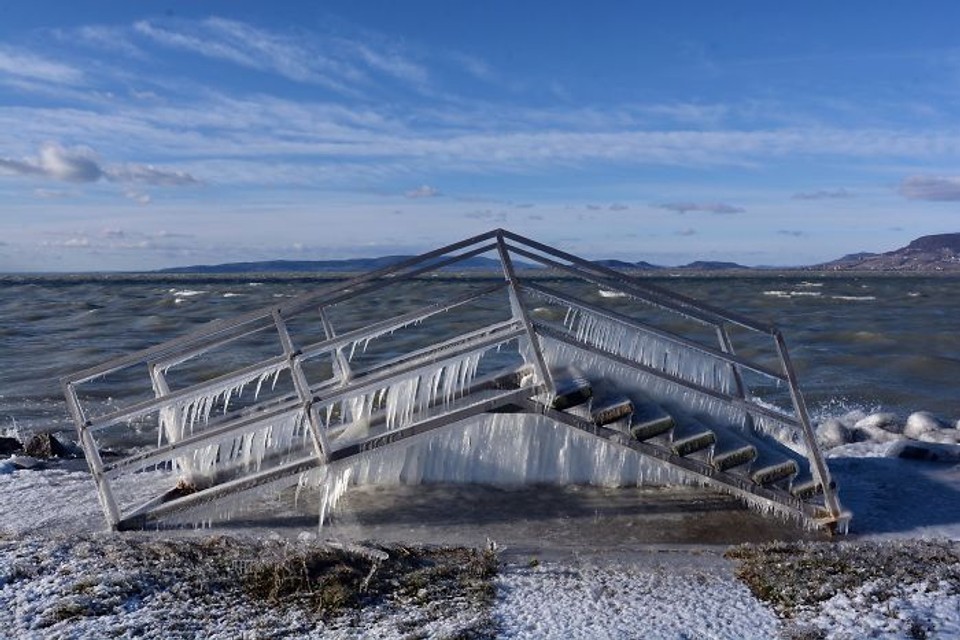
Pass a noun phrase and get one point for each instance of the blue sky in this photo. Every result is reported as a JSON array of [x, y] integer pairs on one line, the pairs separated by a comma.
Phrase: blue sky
[[137, 135]]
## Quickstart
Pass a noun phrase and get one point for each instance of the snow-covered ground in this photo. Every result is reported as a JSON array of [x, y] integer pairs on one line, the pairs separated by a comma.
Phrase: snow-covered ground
[[545, 588]]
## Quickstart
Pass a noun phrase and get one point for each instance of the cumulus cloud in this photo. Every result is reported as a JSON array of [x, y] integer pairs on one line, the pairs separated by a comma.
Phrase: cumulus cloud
[[823, 194], [423, 191], [58, 163], [706, 207], [81, 165], [934, 188]]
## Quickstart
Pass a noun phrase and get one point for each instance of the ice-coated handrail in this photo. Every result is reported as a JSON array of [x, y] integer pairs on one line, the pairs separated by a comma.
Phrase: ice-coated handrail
[[405, 389]]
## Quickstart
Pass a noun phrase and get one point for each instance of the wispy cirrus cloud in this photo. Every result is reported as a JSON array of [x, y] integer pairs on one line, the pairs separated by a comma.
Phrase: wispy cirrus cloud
[[933, 188], [345, 65], [423, 191], [705, 207], [823, 194], [25, 65]]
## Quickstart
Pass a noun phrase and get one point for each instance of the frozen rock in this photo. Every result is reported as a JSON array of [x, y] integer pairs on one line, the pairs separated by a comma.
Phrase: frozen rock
[[886, 421], [46, 445], [920, 423], [832, 433], [943, 436], [878, 434], [928, 451], [851, 418], [25, 462], [10, 446]]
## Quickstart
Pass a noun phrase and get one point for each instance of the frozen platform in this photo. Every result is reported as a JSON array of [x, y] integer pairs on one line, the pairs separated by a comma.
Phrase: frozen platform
[[567, 373]]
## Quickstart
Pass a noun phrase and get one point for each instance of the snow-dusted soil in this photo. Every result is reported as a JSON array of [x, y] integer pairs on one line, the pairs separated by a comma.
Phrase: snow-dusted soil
[[575, 562]]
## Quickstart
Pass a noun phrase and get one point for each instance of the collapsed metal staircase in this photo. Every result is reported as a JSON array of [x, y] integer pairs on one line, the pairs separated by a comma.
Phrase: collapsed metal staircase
[[257, 402]]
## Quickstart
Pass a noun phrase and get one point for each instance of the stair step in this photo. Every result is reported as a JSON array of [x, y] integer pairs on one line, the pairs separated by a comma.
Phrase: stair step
[[734, 457], [651, 428], [692, 443], [807, 488], [775, 472], [571, 391], [611, 410]]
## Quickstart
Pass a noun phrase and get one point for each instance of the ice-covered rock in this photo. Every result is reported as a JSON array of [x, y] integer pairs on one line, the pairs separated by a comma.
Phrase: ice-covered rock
[[832, 433], [851, 418], [46, 445], [874, 433], [932, 452], [25, 462], [9, 446], [920, 423], [886, 421], [942, 436]]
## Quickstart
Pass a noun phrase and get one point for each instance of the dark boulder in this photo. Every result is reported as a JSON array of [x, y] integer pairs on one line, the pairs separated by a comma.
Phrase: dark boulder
[[46, 445], [9, 446]]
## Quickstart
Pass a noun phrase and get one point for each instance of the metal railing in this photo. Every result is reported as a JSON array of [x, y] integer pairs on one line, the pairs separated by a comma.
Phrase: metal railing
[[324, 405]]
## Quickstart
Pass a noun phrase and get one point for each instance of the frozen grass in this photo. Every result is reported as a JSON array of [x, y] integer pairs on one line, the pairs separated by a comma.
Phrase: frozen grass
[[224, 587], [904, 589]]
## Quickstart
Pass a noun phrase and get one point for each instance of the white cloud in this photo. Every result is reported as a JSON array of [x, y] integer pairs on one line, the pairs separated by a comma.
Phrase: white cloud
[[423, 191], [138, 196], [81, 165], [58, 163], [475, 66], [150, 175], [823, 194], [341, 64], [102, 37], [705, 207], [934, 188], [27, 65]]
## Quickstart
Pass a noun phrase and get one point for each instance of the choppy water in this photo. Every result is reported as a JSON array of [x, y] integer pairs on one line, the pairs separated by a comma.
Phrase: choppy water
[[887, 343]]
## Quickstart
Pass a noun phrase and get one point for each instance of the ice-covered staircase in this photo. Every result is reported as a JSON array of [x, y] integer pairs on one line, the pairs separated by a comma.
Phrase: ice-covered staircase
[[376, 370]]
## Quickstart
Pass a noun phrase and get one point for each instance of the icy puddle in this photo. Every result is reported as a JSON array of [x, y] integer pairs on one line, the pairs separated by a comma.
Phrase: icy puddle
[[551, 521]]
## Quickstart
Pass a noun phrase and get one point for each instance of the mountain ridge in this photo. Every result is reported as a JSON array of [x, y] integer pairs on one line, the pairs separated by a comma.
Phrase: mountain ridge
[[931, 253]]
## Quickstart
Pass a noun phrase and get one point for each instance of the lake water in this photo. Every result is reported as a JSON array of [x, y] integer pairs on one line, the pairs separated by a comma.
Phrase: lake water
[[884, 342]]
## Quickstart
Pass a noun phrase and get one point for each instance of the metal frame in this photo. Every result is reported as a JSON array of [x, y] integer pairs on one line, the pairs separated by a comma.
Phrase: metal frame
[[527, 393]]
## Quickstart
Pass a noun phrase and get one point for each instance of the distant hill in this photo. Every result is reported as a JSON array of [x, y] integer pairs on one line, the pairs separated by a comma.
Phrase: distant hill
[[712, 265], [332, 266], [935, 253], [626, 266]]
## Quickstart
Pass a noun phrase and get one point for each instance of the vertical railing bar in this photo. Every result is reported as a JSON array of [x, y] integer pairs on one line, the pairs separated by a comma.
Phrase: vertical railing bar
[[726, 345], [819, 467], [343, 367], [162, 389], [320, 442], [520, 313], [107, 501]]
